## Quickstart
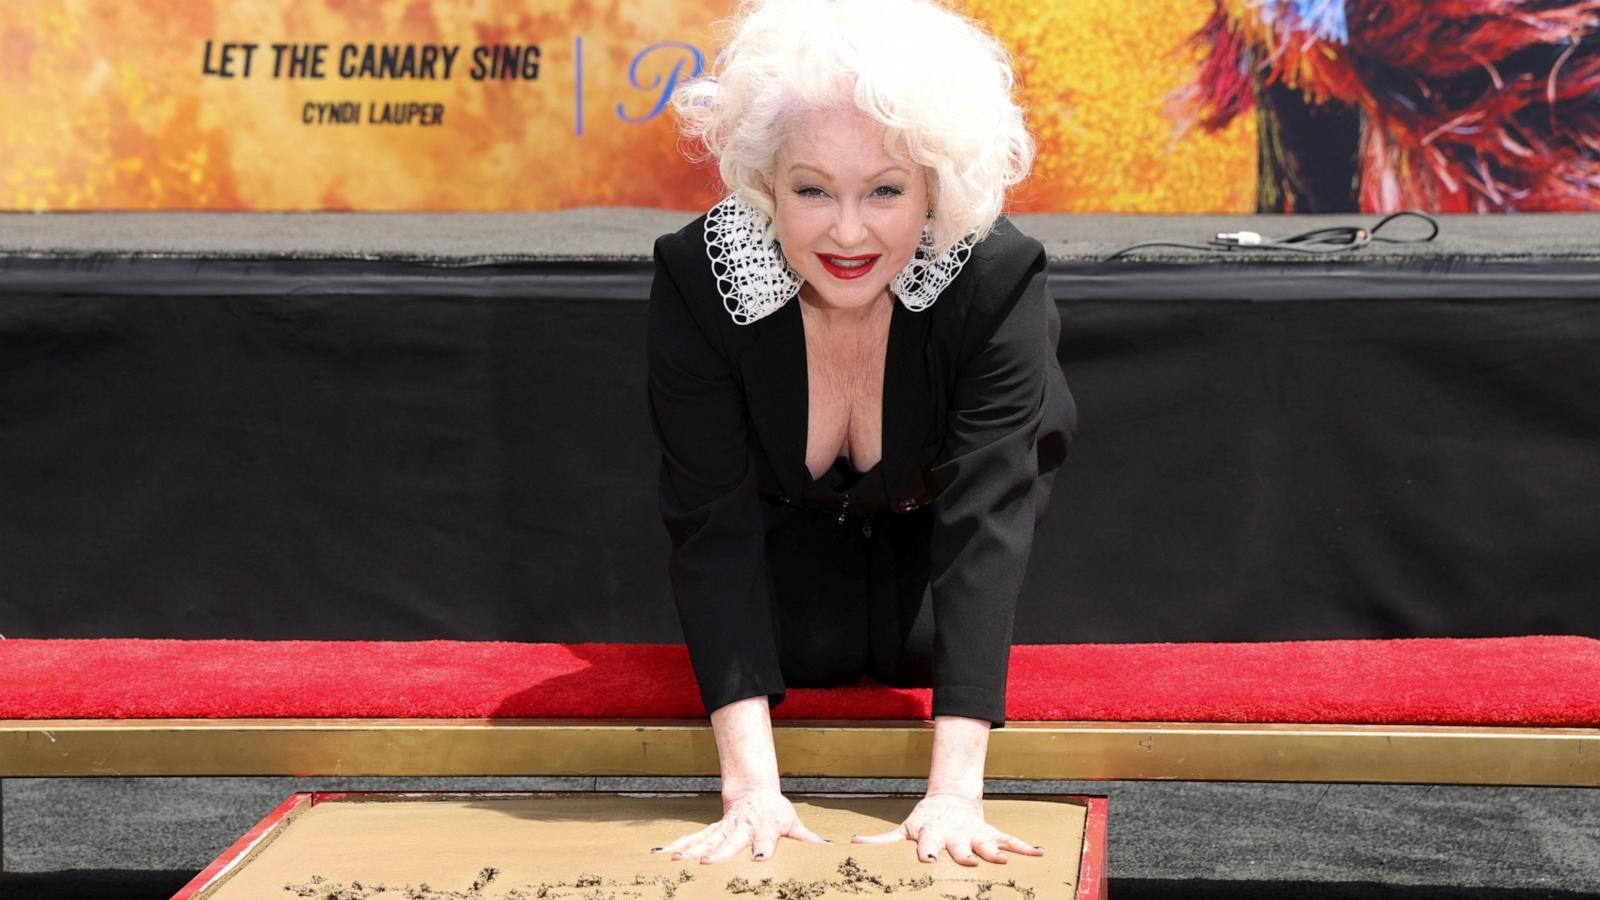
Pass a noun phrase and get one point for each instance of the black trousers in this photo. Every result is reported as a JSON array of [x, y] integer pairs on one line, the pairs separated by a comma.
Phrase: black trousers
[[853, 598]]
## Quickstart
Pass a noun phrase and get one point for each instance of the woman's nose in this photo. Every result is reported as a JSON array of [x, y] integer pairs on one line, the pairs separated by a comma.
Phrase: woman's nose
[[848, 229]]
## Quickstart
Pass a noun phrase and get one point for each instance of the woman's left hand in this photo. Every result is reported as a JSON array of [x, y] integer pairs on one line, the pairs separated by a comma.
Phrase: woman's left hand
[[954, 823]]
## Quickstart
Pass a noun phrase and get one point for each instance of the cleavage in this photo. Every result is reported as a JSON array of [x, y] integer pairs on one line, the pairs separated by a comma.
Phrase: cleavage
[[845, 411]]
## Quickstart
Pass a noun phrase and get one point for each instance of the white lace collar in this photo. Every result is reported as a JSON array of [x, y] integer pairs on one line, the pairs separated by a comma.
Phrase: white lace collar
[[755, 280]]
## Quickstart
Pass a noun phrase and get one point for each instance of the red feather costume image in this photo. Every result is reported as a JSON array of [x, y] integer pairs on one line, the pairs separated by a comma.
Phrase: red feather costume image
[[1382, 105]]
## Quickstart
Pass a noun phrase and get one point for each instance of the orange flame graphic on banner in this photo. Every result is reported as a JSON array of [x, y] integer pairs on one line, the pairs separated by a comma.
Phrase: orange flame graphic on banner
[[109, 107]]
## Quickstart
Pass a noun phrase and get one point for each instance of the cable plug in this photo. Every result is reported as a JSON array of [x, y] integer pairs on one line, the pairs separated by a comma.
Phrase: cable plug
[[1242, 238]]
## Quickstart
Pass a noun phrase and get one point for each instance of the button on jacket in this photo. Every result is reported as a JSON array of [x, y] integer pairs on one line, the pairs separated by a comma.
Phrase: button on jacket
[[976, 412]]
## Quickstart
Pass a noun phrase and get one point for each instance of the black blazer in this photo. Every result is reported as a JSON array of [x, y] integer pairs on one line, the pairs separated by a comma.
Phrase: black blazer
[[975, 410]]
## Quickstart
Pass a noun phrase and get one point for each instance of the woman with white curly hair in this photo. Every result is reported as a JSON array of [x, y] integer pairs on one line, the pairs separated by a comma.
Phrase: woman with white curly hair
[[852, 377]]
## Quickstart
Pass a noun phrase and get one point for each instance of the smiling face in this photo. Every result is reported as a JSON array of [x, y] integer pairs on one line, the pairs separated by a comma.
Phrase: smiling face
[[838, 194]]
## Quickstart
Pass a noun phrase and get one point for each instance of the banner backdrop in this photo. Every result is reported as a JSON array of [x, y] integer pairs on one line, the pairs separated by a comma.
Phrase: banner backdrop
[[519, 104], [1168, 106]]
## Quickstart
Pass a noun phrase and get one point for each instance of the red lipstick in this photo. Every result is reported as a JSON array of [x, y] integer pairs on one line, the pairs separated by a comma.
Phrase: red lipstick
[[846, 273]]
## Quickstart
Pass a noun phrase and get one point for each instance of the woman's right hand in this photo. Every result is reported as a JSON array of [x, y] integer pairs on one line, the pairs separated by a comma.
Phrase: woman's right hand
[[755, 819]]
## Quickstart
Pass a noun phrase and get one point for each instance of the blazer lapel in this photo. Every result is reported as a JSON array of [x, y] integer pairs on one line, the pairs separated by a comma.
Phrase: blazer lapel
[[774, 369], [773, 366], [907, 402]]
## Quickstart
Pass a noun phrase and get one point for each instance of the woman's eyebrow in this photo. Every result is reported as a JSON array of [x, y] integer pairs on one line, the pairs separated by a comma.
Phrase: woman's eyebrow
[[825, 174]]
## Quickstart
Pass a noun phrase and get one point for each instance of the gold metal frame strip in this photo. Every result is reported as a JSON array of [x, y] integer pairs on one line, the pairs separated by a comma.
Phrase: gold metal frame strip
[[1089, 751]]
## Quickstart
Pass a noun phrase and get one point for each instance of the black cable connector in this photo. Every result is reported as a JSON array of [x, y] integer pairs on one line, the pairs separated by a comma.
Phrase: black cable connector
[[1338, 239]]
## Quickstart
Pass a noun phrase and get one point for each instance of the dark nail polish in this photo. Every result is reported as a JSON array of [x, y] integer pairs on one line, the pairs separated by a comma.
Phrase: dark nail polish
[[931, 857], [761, 856], [655, 849]]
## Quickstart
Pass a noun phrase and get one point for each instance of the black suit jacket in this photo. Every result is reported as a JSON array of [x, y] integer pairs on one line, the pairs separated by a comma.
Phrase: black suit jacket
[[975, 410]]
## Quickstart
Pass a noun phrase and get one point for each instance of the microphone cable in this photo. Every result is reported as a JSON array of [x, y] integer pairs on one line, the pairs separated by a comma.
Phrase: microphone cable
[[1321, 241]]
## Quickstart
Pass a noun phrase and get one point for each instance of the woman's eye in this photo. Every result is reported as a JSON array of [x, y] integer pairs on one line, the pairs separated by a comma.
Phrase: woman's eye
[[887, 190]]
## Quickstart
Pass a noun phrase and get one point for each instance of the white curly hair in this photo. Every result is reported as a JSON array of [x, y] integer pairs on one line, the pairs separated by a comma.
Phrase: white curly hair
[[937, 81]]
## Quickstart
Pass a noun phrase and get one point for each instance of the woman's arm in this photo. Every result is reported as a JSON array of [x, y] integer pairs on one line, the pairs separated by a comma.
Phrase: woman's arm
[[983, 532], [718, 570], [707, 493], [985, 514]]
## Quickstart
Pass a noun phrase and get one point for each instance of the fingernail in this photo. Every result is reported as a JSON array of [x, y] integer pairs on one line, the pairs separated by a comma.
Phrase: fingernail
[[931, 856], [826, 841], [655, 849], [761, 856]]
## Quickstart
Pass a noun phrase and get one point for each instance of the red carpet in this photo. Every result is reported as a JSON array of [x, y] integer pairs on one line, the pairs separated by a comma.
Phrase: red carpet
[[1478, 681]]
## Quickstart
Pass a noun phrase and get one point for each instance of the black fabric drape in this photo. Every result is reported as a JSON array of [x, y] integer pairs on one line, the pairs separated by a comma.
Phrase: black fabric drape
[[466, 454]]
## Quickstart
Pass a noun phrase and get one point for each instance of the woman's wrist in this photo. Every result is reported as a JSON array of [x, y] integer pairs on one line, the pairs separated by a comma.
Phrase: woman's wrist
[[745, 753], [960, 746]]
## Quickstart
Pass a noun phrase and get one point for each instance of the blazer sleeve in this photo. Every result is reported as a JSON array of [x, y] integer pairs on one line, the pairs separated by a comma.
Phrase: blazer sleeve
[[984, 515], [708, 499]]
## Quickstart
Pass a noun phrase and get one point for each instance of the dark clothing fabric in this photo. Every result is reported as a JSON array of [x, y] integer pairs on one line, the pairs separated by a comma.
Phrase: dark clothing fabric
[[976, 418], [850, 592], [847, 593], [867, 491]]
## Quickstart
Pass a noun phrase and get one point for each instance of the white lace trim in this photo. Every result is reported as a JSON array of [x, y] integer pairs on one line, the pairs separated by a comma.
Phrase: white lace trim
[[755, 280], [922, 280]]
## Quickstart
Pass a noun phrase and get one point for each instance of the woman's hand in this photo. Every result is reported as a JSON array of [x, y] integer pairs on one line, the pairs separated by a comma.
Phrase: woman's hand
[[950, 817], [755, 819], [955, 823], [754, 811]]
